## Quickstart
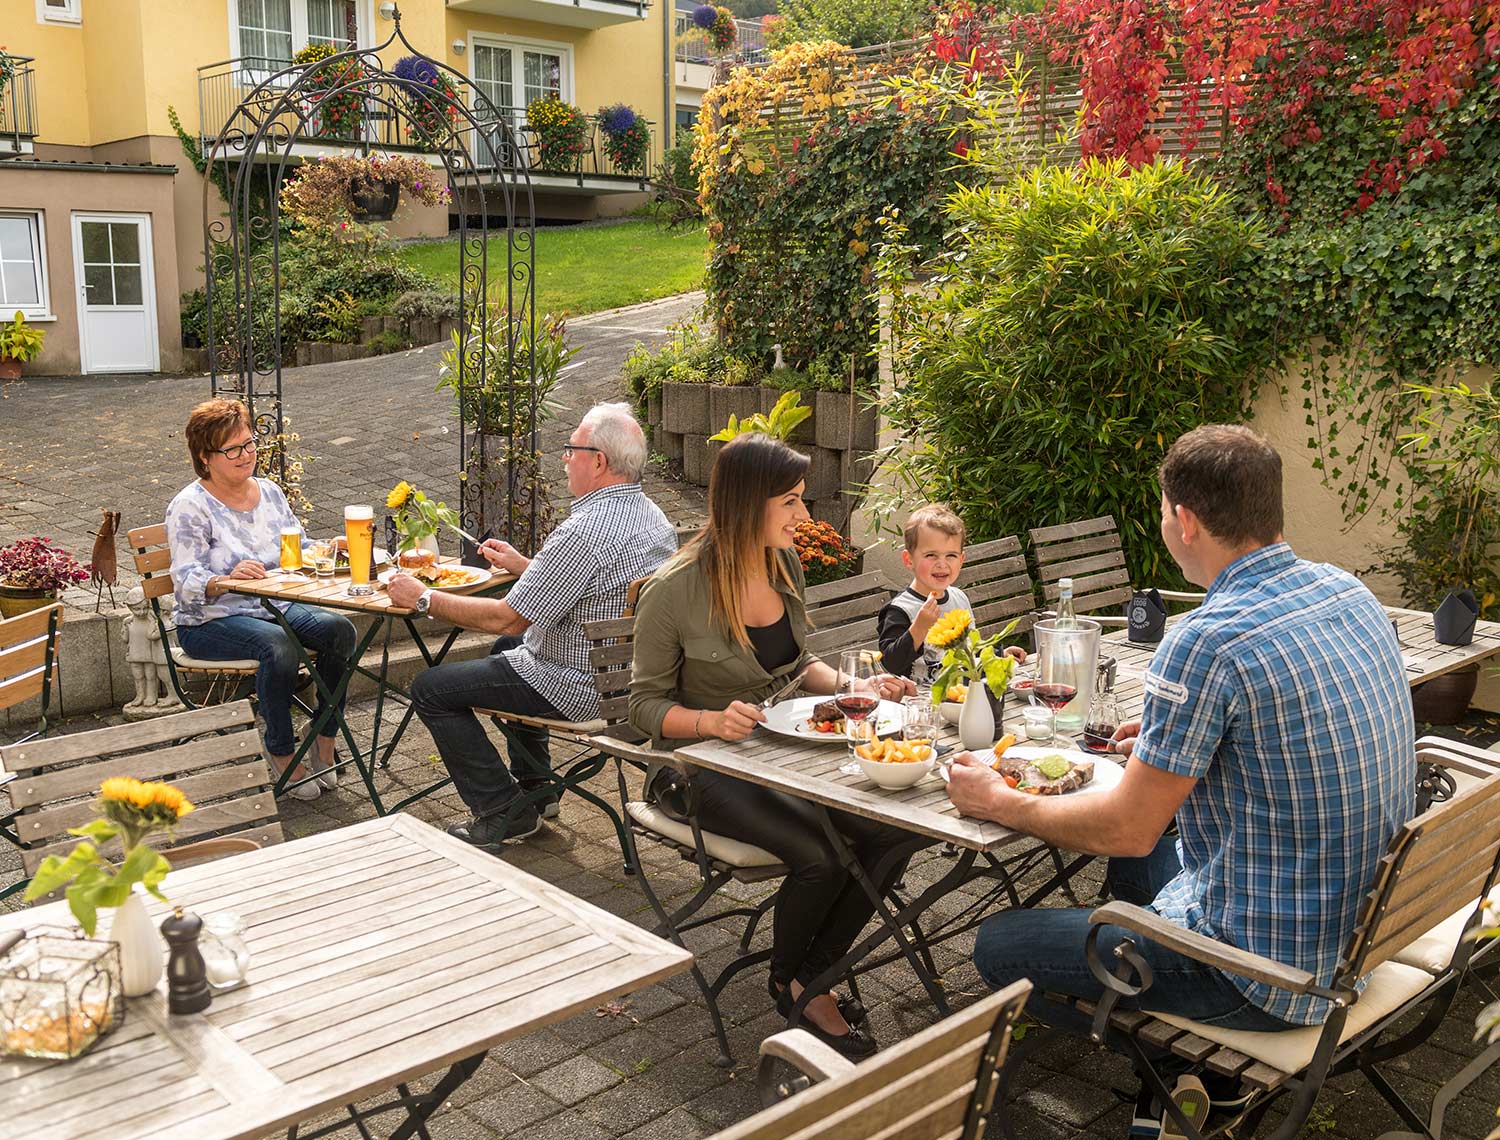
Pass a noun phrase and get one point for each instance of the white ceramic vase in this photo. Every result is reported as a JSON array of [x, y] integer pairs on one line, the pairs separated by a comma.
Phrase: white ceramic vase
[[976, 723], [141, 950]]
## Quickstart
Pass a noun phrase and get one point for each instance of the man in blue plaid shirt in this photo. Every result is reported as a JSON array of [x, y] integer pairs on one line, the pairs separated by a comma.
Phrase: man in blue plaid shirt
[[1277, 731]]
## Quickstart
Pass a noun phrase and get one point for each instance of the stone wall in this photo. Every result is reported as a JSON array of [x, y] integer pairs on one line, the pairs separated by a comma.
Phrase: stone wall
[[838, 437]]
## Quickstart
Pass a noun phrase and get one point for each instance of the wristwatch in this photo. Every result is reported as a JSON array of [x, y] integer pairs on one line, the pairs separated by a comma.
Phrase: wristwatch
[[423, 601]]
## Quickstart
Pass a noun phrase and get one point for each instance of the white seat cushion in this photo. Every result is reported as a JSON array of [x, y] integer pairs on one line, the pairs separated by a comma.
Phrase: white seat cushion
[[183, 661], [1434, 950], [728, 851], [1391, 985]]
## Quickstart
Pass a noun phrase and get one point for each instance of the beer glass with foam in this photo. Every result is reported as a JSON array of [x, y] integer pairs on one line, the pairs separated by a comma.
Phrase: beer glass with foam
[[359, 530]]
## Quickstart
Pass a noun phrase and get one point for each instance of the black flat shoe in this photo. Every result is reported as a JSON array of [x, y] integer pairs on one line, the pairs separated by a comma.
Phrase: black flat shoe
[[857, 1044]]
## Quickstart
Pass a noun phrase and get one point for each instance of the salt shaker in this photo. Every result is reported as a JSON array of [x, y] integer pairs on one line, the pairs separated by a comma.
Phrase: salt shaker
[[187, 977]]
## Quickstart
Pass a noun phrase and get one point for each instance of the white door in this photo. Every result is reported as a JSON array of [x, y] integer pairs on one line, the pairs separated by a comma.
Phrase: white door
[[513, 76], [116, 292]]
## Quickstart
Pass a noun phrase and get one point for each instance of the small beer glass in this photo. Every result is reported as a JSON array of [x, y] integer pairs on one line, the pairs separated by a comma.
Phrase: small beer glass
[[291, 548]]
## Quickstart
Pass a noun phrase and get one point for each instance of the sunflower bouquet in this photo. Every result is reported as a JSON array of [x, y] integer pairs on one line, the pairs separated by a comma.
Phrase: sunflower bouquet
[[417, 517], [131, 810], [969, 659]]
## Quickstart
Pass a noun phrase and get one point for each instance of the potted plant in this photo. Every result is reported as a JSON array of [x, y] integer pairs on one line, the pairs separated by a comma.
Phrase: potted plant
[[7, 70], [417, 520], [627, 140], [328, 190], [561, 132], [131, 811], [332, 90], [979, 665], [32, 571], [718, 26], [430, 98], [825, 554], [19, 342], [517, 369]]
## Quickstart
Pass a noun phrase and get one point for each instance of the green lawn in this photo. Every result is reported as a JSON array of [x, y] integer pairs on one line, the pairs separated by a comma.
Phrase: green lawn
[[583, 270]]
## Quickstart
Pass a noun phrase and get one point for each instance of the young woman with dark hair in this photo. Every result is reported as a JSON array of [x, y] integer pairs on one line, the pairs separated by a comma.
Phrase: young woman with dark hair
[[718, 629]]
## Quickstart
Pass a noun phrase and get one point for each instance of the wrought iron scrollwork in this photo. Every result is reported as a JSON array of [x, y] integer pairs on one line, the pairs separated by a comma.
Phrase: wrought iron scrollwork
[[457, 128]]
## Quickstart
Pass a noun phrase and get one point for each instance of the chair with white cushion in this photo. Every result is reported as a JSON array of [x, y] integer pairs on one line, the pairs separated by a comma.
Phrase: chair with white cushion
[[1408, 940], [1091, 553]]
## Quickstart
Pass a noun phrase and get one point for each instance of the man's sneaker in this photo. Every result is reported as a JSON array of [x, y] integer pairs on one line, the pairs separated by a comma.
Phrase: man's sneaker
[[1151, 1123], [546, 802], [491, 832]]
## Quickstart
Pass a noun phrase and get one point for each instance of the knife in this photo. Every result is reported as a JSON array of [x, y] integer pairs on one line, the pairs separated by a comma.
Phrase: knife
[[789, 687]]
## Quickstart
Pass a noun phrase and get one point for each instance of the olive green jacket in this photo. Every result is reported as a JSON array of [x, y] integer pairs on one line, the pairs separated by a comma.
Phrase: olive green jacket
[[682, 658]]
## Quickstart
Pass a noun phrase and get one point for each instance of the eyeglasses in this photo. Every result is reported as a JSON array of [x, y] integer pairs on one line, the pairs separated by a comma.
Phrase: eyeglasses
[[570, 449], [237, 450]]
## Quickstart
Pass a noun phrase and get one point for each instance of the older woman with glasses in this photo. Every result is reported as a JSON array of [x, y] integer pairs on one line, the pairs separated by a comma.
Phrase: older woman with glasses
[[226, 525]]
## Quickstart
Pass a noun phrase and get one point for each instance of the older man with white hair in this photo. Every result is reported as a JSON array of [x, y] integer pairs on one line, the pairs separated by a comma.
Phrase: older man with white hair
[[540, 666]]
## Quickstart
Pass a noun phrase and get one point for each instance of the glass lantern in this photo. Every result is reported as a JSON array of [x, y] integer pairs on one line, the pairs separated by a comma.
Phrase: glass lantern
[[59, 993]]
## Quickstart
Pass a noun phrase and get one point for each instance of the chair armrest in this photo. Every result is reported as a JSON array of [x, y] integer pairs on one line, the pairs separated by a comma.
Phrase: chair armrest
[[806, 1054], [567, 727], [1182, 595], [1459, 756], [6, 777], [1210, 951], [191, 854], [626, 750], [1104, 619]]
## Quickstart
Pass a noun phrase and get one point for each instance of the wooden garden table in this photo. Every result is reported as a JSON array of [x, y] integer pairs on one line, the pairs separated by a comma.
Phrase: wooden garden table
[[379, 952], [333, 594], [809, 770]]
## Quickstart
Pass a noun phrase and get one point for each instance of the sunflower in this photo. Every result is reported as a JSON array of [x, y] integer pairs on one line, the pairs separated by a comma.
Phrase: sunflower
[[398, 496], [949, 628]]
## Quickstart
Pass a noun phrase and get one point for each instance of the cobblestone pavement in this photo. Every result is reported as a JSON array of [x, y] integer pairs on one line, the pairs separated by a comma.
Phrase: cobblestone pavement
[[641, 1070]]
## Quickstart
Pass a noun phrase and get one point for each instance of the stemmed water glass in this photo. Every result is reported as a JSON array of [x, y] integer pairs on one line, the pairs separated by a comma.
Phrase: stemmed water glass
[[858, 698]]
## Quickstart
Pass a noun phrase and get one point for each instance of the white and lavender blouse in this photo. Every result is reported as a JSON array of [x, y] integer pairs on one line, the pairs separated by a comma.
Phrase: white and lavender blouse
[[208, 538]]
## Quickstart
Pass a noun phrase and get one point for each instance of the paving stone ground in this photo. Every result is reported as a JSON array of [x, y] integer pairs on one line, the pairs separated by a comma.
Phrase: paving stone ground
[[642, 1069]]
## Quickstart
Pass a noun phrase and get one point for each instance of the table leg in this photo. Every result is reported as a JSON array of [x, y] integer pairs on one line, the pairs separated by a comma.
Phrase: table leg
[[419, 1108], [331, 700]]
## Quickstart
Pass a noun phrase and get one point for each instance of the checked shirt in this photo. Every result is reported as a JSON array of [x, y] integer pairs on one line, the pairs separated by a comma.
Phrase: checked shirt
[[581, 574], [1285, 696]]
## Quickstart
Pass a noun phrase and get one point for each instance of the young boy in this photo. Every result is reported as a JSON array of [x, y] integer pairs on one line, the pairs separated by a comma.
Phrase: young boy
[[934, 554]]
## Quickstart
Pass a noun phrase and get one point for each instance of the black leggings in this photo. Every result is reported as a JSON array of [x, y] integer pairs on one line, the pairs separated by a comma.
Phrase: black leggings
[[820, 909]]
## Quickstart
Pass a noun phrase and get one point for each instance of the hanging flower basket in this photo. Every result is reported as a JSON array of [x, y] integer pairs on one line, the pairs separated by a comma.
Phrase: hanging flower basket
[[337, 107], [627, 139], [374, 200], [430, 98], [561, 132]]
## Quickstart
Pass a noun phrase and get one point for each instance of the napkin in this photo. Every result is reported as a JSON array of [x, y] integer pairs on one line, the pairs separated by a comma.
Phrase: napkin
[[1146, 617], [1453, 620]]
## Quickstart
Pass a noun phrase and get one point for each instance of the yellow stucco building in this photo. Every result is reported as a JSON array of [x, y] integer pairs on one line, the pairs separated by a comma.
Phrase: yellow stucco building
[[102, 210]]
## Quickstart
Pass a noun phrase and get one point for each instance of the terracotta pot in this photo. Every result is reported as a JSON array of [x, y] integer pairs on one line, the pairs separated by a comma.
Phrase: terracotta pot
[[15, 600], [10, 368], [1445, 699]]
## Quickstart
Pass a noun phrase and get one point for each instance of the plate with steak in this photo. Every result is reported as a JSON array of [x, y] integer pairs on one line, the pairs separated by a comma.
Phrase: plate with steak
[[818, 718], [1043, 771]]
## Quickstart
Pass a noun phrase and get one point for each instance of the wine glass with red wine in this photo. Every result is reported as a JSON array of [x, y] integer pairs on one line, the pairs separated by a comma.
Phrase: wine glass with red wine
[[857, 699], [1054, 685]]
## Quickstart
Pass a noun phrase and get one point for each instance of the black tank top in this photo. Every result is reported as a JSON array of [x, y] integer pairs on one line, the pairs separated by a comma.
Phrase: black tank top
[[773, 644]]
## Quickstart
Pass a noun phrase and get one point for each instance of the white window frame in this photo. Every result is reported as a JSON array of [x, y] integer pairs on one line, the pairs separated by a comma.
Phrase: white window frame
[[71, 12], [364, 15], [518, 46], [42, 311]]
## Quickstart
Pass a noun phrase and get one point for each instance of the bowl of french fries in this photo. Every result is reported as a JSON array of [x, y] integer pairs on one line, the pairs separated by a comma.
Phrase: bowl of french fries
[[895, 764]]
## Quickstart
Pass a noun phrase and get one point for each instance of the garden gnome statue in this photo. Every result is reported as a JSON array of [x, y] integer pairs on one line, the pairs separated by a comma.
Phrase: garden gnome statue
[[147, 657]]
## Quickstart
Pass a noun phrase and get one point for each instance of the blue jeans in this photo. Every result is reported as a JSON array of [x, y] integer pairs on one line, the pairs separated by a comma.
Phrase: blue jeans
[[243, 637], [1046, 946], [446, 696]]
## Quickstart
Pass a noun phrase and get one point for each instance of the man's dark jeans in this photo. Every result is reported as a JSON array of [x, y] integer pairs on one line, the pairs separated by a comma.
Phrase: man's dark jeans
[[1047, 946], [445, 698]]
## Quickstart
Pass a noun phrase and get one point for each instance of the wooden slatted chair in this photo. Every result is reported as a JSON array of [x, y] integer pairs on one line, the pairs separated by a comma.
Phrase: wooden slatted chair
[[844, 614], [1091, 554], [28, 661], [718, 859], [943, 1084], [999, 585], [1406, 938], [226, 680], [212, 754], [28, 668]]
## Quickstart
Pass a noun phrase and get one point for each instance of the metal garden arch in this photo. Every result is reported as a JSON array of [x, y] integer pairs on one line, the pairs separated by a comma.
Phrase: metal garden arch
[[278, 124]]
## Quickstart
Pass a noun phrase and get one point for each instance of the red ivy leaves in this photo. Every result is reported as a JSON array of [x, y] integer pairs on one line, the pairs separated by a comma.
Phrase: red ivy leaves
[[1266, 63]]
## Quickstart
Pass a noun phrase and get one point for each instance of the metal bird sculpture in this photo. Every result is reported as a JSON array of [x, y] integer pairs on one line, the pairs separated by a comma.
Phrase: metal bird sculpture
[[105, 568]]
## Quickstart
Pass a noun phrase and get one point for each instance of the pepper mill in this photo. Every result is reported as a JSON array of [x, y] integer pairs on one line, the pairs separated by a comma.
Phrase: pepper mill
[[187, 977]]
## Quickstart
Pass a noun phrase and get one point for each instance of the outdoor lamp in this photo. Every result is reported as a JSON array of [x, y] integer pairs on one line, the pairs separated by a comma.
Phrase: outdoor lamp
[[458, 47], [388, 10]]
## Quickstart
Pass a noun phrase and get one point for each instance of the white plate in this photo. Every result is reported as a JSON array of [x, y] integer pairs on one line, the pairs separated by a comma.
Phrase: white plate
[[789, 718], [1107, 773], [477, 576]]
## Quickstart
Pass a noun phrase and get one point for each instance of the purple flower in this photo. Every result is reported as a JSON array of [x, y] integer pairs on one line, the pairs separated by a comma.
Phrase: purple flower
[[618, 119], [704, 16], [416, 69]]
